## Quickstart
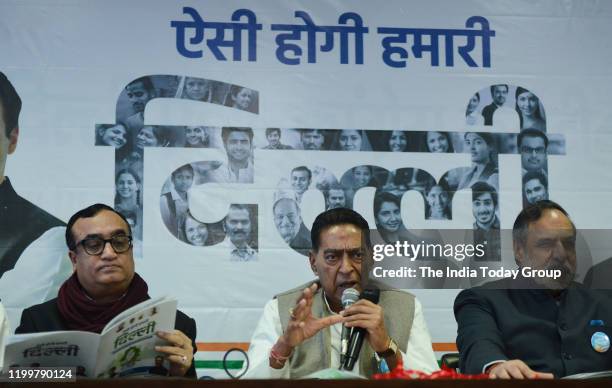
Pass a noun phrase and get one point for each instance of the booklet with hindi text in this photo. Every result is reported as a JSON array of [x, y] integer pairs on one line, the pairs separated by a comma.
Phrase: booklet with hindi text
[[124, 348]]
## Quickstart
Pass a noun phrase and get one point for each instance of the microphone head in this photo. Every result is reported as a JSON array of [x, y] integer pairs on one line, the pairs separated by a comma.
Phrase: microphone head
[[349, 296], [371, 294]]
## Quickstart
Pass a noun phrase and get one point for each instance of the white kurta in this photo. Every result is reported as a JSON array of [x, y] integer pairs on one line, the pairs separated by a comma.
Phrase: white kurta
[[4, 332], [419, 355]]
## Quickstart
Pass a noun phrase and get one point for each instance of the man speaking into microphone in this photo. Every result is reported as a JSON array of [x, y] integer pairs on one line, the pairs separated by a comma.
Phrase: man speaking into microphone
[[300, 330]]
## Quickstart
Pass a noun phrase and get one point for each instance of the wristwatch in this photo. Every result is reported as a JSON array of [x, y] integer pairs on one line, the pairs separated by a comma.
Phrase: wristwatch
[[391, 350]]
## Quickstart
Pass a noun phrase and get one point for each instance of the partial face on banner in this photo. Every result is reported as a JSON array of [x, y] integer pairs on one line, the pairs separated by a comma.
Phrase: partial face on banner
[[7, 143], [500, 92], [238, 226], [287, 218], [484, 209], [138, 96], [533, 153], [238, 146]]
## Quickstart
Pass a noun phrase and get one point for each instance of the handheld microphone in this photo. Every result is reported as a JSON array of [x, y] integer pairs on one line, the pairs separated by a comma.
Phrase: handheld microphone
[[349, 296], [358, 334]]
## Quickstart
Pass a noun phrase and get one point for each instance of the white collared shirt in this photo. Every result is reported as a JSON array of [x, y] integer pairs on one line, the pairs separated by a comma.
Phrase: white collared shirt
[[239, 254], [224, 174], [4, 332]]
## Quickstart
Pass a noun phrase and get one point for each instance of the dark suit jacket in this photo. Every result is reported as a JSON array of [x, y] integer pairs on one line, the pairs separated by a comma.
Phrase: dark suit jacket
[[599, 276], [529, 324], [301, 242], [46, 317], [21, 222]]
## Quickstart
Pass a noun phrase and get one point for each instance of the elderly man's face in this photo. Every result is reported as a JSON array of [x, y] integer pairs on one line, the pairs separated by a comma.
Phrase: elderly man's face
[[339, 260], [287, 219], [7, 144], [238, 226], [238, 146], [535, 191], [108, 273], [550, 245], [335, 199], [138, 96], [533, 153], [312, 140], [300, 181], [500, 92], [483, 209]]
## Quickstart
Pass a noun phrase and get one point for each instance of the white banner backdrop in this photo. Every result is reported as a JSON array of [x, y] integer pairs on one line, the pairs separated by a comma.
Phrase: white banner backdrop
[[71, 62]]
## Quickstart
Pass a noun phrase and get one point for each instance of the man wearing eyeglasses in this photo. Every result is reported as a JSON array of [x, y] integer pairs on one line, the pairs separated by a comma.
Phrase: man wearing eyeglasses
[[103, 285], [300, 330], [533, 144]]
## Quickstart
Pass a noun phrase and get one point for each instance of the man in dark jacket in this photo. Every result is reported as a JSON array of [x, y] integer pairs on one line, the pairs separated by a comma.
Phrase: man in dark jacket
[[22, 221], [103, 285], [536, 324]]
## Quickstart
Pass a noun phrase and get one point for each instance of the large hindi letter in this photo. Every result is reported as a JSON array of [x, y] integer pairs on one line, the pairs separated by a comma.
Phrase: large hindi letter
[[390, 50], [198, 35], [359, 30], [485, 34], [251, 27]]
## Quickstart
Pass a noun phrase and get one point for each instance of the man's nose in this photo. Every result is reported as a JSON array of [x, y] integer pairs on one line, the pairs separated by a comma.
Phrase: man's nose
[[346, 265], [108, 253], [559, 251]]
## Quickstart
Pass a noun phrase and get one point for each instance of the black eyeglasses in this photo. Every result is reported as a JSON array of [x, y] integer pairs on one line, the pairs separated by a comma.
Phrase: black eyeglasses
[[95, 245]]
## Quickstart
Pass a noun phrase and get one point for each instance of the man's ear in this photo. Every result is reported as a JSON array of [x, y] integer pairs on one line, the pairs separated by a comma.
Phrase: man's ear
[[72, 255], [519, 252], [13, 137], [311, 259]]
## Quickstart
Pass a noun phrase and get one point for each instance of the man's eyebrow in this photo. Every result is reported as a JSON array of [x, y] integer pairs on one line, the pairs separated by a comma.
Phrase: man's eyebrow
[[113, 233], [350, 250], [92, 235], [545, 240]]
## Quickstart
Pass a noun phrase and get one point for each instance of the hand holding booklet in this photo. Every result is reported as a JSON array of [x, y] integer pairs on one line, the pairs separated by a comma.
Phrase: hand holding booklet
[[124, 348]]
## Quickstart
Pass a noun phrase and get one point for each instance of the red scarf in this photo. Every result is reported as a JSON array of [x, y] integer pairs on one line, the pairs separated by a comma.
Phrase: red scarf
[[80, 312]]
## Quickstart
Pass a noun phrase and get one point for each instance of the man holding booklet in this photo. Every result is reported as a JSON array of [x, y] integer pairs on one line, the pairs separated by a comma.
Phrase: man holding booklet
[[104, 285]]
